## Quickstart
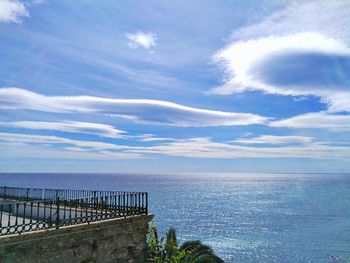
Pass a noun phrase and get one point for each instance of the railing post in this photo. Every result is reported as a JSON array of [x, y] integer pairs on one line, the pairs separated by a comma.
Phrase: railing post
[[94, 199], [124, 209], [58, 212], [1, 208], [146, 203]]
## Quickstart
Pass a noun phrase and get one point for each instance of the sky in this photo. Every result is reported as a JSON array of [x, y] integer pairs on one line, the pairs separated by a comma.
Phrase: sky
[[175, 86]]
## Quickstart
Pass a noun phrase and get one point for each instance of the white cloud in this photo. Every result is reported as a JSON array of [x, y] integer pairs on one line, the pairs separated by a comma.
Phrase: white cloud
[[26, 151], [55, 140], [102, 130], [273, 139], [60, 147], [278, 65], [316, 120], [138, 110], [240, 59], [12, 11], [68, 126], [206, 148], [155, 139], [278, 55], [191, 148], [146, 40], [151, 138]]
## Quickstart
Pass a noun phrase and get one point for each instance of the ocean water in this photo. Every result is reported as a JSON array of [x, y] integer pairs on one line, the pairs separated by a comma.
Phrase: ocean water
[[244, 217]]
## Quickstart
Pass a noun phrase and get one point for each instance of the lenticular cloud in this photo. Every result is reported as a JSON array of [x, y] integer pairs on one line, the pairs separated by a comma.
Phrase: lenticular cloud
[[137, 110], [297, 65]]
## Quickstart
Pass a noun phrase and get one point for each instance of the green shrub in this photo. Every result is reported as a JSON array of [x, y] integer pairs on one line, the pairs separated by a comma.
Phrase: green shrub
[[167, 250]]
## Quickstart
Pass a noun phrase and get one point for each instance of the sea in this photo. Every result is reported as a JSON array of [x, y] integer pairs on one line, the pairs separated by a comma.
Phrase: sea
[[243, 217]]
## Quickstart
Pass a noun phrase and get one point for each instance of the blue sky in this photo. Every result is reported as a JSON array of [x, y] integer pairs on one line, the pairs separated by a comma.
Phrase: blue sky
[[174, 86]]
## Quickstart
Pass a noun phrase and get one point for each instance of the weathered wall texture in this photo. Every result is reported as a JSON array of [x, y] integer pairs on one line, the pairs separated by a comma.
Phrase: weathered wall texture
[[117, 240]]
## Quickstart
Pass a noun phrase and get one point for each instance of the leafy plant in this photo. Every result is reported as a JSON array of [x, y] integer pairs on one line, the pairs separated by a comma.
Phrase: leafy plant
[[167, 250]]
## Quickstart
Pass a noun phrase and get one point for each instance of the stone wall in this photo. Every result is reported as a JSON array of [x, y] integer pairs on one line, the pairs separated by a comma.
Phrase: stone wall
[[116, 240]]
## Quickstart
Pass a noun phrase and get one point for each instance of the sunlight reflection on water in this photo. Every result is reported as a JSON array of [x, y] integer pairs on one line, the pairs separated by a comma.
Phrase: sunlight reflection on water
[[259, 219]]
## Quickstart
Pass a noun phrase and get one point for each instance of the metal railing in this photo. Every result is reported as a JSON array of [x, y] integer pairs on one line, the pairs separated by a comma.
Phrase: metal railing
[[21, 193], [23, 213]]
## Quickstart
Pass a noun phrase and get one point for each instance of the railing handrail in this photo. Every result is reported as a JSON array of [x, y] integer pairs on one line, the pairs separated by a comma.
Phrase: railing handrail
[[65, 189], [51, 193]]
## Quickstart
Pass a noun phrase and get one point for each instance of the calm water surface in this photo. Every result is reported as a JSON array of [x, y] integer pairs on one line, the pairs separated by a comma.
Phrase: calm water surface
[[245, 218]]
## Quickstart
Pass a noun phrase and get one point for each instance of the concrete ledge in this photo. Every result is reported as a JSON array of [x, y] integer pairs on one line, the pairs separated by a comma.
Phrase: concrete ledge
[[114, 240]]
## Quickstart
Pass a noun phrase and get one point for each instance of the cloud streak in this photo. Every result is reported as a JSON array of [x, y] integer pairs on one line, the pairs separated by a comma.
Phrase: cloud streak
[[199, 147], [206, 148], [102, 130], [56, 140], [315, 120], [26, 151], [273, 139], [142, 111]]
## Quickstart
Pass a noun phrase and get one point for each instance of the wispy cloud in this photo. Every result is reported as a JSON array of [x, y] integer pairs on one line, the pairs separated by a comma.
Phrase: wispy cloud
[[138, 110], [155, 139], [316, 120], [12, 11], [274, 139], [278, 55], [99, 129], [71, 153], [68, 126], [200, 147], [38, 2], [56, 140], [206, 148], [329, 18], [145, 40], [46, 147]]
